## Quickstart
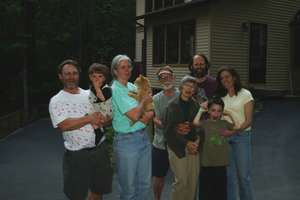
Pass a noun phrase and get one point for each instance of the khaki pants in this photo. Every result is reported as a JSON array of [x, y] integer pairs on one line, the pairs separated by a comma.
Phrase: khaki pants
[[186, 173]]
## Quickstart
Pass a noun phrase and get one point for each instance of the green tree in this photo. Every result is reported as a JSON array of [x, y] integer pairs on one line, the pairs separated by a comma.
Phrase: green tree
[[89, 31]]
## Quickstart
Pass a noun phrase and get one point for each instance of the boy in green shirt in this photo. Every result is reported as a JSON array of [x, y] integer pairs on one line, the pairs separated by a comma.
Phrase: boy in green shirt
[[214, 154]]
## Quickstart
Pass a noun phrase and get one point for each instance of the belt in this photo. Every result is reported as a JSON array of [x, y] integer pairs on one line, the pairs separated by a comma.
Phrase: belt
[[89, 149], [84, 149]]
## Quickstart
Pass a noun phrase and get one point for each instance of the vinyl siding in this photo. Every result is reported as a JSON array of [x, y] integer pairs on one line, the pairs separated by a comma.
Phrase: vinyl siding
[[230, 45], [140, 7], [203, 35]]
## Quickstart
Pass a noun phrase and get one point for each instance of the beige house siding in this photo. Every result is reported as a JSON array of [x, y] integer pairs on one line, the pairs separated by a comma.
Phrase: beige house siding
[[150, 69], [230, 45], [140, 7], [203, 35]]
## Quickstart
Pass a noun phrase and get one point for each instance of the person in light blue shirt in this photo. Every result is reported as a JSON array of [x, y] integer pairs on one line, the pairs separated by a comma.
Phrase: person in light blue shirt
[[132, 147], [122, 104]]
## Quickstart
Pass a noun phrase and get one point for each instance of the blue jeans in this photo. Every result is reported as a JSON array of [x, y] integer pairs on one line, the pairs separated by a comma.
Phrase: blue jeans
[[239, 171], [132, 153]]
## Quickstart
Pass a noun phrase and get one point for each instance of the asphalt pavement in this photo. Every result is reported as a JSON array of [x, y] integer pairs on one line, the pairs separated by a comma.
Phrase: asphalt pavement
[[31, 158]]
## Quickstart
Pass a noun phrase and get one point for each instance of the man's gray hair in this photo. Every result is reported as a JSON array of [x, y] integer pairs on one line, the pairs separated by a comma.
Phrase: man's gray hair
[[116, 61]]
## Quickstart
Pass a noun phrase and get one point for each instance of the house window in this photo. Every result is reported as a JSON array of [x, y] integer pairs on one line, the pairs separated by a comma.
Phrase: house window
[[173, 43], [179, 1], [168, 3], [149, 5], [159, 44], [258, 53], [152, 5], [187, 41], [158, 4]]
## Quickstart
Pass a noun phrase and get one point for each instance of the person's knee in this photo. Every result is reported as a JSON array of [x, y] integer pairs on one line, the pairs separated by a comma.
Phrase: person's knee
[[245, 179], [94, 196], [158, 181]]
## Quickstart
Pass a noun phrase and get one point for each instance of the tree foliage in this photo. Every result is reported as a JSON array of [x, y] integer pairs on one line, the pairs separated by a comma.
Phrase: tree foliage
[[39, 34]]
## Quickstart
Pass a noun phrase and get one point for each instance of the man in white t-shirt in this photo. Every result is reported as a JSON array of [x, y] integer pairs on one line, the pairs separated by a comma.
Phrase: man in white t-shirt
[[86, 167]]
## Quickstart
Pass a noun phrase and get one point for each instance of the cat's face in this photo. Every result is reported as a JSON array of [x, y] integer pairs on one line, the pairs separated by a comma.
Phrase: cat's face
[[142, 82]]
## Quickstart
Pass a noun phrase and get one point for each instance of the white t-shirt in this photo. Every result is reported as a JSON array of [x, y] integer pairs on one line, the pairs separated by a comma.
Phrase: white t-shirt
[[235, 105], [65, 105]]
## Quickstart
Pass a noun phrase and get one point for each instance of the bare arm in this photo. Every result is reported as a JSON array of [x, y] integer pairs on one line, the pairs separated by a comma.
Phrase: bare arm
[[96, 84], [248, 120], [196, 121], [228, 114], [76, 123], [147, 116], [233, 130], [157, 122], [248, 116], [99, 94], [136, 113]]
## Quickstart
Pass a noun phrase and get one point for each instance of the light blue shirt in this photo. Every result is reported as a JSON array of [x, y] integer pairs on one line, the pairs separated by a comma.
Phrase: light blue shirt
[[121, 104]]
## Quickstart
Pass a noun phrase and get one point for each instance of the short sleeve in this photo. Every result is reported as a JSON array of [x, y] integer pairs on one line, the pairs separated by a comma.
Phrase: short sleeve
[[57, 113], [123, 101], [247, 96]]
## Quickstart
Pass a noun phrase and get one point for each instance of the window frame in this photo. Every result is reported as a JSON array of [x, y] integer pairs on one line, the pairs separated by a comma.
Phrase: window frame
[[155, 60], [257, 73]]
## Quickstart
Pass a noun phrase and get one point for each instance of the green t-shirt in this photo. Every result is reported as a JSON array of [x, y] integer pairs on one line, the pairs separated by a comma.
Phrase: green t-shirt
[[215, 146], [121, 104]]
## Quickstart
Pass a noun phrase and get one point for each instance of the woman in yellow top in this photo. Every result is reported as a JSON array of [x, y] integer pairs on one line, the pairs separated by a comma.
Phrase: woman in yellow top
[[239, 103]]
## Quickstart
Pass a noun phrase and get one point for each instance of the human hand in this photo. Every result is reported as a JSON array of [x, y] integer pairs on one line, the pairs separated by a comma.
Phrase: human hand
[[227, 113], [107, 120], [192, 147], [157, 122], [204, 105], [96, 81], [97, 119], [237, 128], [147, 116], [147, 99], [94, 126], [226, 133], [183, 128]]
